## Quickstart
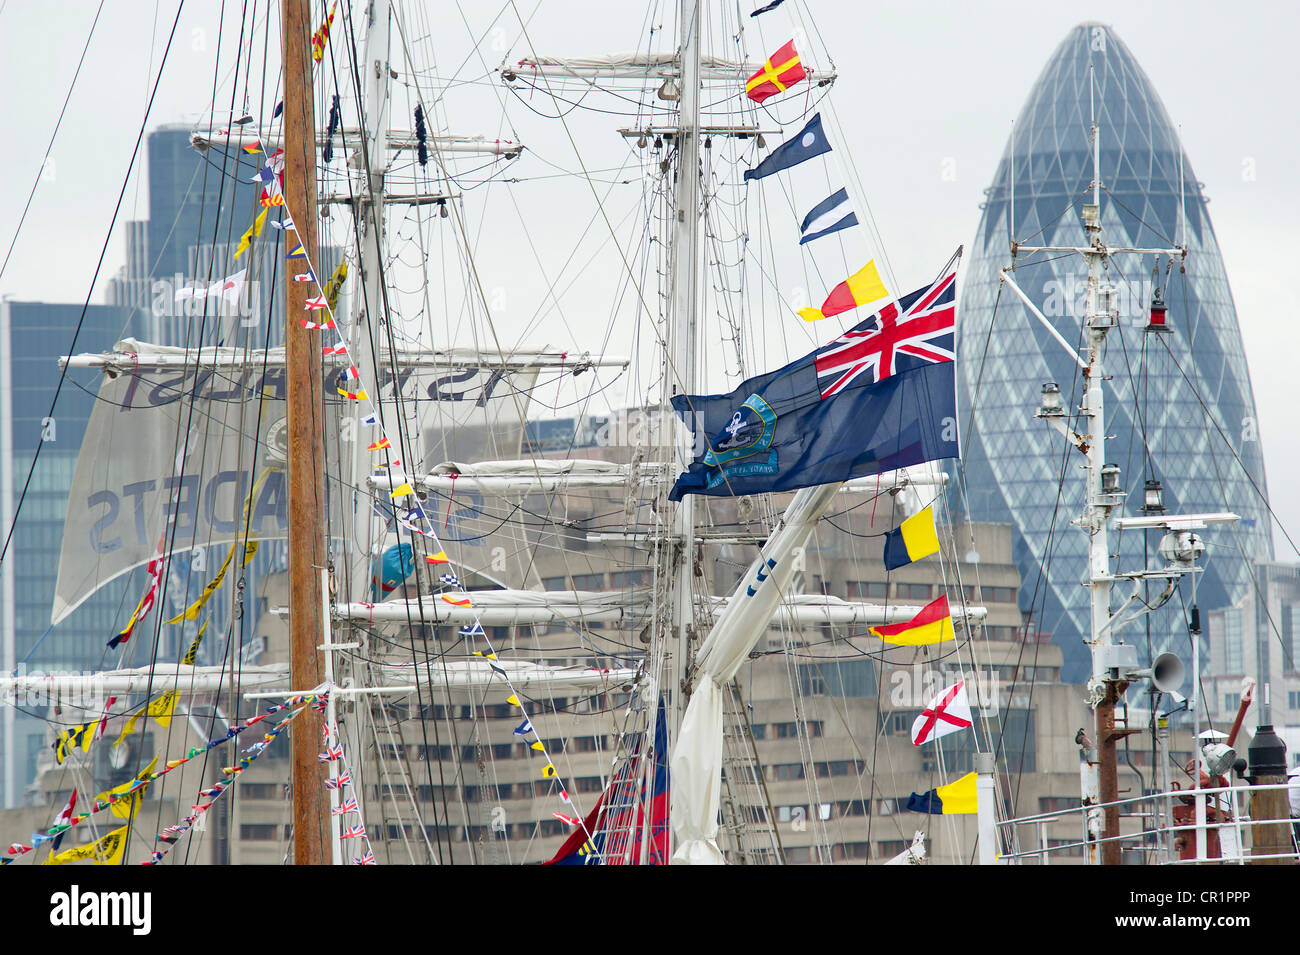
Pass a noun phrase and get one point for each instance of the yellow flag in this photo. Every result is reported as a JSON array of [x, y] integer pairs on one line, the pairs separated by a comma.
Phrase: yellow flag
[[549, 771], [335, 286], [162, 709], [106, 850], [70, 739], [513, 700], [958, 797], [192, 653], [125, 808], [253, 232], [402, 491], [539, 747], [192, 611]]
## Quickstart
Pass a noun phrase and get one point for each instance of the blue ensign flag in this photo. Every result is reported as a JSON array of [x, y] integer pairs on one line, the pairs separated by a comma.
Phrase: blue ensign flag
[[803, 145], [879, 397]]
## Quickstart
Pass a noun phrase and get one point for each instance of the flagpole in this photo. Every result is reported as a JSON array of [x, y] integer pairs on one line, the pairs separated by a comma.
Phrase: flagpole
[[305, 461]]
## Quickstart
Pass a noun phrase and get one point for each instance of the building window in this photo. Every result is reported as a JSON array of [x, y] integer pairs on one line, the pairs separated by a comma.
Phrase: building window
[[759, 730], [843, 678], [1057, 803], [553, 583], [1075, 847], [259, 833], [914, 591], [1231, 701], [1293, 699], [588, 582], [861, 589], [1291, 637], [838, 767], [1232, 649], [788, 813], [855, 850]]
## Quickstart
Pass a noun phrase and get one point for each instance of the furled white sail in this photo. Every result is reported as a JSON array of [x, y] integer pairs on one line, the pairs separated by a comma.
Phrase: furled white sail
[[697, 754]]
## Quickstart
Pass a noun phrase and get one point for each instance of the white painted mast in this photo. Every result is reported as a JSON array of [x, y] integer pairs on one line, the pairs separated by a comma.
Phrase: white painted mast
[[678, 559], [1114, 664]]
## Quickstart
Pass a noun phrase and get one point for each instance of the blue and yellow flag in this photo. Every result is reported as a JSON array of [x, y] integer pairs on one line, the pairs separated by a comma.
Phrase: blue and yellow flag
[[915, 538], [956, 798]]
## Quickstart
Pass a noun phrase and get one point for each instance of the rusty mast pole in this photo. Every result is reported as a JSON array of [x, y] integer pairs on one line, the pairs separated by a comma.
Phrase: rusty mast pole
[[306, 458]]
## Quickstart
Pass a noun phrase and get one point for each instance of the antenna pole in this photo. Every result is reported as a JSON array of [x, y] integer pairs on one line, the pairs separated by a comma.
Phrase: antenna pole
[[306, 457], [1101, 775]]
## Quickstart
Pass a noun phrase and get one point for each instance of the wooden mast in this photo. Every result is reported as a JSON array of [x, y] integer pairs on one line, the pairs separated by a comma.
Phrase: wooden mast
[[306, 458]]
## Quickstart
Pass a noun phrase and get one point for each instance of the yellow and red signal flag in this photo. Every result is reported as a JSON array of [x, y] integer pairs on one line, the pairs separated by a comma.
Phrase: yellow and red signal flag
[[782, 70], [254, 147], [457, 600], [379, 445], [932, 625], [322, 36], [438, 558], [253, 232], [861, 288]]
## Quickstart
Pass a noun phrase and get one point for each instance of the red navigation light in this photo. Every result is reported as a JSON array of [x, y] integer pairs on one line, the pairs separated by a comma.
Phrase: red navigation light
[[1156, 319]]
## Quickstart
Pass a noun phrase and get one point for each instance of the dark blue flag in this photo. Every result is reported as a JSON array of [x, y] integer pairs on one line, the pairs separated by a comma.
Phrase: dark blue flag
[[803, 145], [925, 802], [830, 215], [879, 397]]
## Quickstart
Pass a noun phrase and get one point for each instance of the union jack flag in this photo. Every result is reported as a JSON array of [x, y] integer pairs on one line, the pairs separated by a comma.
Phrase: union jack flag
[[331, 754], [349, 805], [367, 859], [920, 326], [354, 832], [343, 780]]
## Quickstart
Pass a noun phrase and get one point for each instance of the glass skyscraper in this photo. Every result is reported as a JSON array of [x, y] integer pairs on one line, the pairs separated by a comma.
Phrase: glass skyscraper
[[1187, 391]]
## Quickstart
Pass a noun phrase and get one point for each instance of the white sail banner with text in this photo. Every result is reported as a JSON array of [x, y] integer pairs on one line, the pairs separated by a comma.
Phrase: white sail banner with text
[[179, 456]]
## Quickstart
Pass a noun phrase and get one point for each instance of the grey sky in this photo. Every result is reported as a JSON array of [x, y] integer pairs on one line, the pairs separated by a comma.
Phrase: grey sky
[[924, 89]]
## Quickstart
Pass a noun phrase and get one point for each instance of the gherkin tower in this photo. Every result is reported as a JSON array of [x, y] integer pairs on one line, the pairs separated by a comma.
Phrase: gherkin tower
[[1179, 404]]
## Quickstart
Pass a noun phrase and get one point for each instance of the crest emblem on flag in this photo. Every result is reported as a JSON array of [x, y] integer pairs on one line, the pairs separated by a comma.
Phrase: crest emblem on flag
[[748, 433]]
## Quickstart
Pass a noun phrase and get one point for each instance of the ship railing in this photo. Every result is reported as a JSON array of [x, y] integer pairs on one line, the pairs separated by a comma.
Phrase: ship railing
[[1157, 840]]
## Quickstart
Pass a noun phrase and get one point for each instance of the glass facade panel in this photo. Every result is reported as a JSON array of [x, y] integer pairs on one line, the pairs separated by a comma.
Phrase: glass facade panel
[[1015, 465]]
